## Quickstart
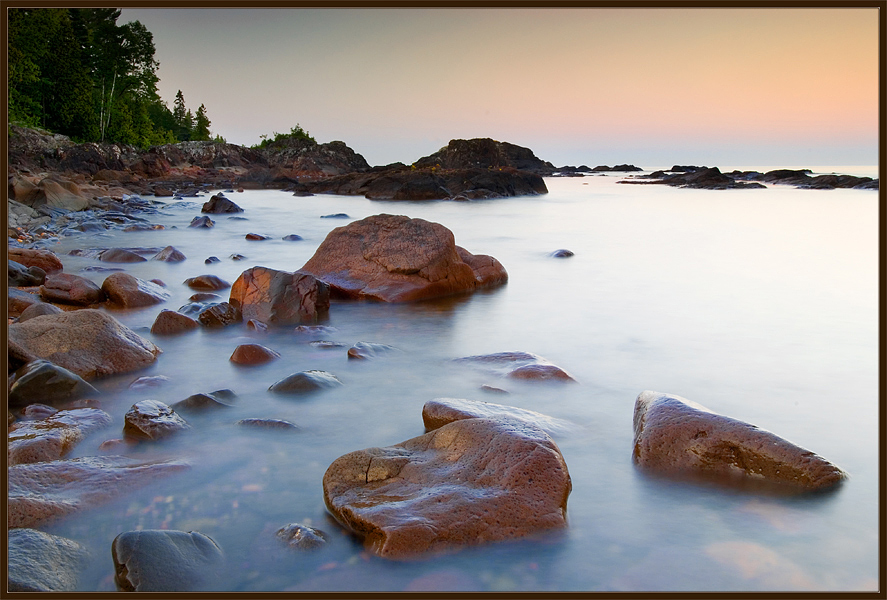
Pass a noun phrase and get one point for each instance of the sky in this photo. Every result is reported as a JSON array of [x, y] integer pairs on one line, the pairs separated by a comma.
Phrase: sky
[[646, 86]]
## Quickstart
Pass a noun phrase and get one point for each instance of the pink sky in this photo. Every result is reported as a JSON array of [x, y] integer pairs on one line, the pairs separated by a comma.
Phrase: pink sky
[[789, 87]]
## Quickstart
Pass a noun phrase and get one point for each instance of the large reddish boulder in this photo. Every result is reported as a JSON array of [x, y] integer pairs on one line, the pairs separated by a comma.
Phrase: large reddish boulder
[[279, 297], [88, 342], [398, 259], [675, 436], [469, 482]]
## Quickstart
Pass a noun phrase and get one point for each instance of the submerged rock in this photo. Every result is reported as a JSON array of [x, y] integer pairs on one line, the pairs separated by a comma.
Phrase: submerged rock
[[200, 402], [169, 254], [42, 562], [120, 255], [305, 382], [441, 411], [364, 350], [207, 283], [54, 437], [253, 354], [519, 365], [218, 204], [87, 342], [399, 259], [675, 436], [41, 492], [279, 424], [280, 297], [165, 561], [469, 482], [301, 537]]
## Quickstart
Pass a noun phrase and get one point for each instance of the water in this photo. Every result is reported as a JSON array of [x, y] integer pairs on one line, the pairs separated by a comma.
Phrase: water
[[759, 304]]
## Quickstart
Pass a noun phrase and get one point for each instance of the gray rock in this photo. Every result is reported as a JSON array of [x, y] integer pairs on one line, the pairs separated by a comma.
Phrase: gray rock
[[169, 254], [440, 411], [519, 365], [301, 537], [305, 382], [364, 350], [41, 562], [675, 436], [201, 402], [41, 381], [268, 424], [22, 276], [166, 561], [38, 309], [152, 420]]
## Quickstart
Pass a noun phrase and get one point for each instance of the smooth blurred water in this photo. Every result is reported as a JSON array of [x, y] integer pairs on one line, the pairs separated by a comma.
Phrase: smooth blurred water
[[759, 304]]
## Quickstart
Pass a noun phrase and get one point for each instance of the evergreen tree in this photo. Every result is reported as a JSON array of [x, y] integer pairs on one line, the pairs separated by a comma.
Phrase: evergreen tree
[[183, 118], [201, 125]]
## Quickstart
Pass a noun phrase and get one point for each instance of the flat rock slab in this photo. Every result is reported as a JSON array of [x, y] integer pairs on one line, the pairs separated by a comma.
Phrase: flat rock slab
[[87, 342], [519, 365], [469, 482], [54, 437], [280, 297], [398, 259], [156, 560], [41, 381], [674, 436], [441, 411], [41, 562], [42, 492]]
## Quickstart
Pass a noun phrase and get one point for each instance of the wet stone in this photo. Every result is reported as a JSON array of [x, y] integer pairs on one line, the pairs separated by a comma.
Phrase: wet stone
[[301, 537], [219, 315], [165, 561], [42, 562], [201, 402], [47, 383], [277, 424], [365, 350], [305, 382], [202, 222], [253, 354], [152, 420], [170, 322]]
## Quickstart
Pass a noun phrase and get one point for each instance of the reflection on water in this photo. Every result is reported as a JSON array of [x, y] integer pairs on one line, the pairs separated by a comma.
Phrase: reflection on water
[[759, 304]]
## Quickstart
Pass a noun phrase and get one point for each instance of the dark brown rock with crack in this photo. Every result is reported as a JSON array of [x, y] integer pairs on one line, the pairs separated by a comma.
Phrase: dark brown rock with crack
[[87, 342], [675, 436], [280, 297], [398, 259], [470, 482]]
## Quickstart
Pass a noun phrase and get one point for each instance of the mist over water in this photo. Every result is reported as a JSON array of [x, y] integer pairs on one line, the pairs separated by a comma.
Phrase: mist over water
[[760, 304]]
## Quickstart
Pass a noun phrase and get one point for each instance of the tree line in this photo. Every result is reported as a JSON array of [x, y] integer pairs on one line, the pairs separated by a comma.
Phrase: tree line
[[77, 72]]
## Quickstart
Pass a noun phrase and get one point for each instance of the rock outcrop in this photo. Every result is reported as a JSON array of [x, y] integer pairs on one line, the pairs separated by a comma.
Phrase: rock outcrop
[[674, 436], [87, 342], [399, 259], [470, 482], [485, 153]]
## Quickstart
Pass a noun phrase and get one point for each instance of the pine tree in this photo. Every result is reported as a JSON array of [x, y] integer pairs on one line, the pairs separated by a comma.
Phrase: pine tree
[[201, 125]]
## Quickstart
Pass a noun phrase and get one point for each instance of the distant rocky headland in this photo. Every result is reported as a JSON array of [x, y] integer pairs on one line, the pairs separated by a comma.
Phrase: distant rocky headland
[[711, 178]]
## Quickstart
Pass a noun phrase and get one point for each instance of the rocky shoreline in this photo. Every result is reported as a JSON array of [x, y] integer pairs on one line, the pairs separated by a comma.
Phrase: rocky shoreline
[[481, 473]]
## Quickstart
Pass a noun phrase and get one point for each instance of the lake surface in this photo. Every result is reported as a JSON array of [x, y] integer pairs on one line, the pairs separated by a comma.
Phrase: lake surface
[[760, 304]]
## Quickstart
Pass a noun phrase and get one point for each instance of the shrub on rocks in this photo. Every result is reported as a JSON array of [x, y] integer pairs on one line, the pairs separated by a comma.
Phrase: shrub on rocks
[[674, 436]]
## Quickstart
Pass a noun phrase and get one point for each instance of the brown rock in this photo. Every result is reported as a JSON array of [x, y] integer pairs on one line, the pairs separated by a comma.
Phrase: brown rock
[[38, 309], [169, 254], [519, 365], [396, 259], [301, 537], [120, 255], [469, 482], [17, 301], [45, 259], [71, 289], [218, 204], [675, 436], [63, 194], [207, 283], [169, 322], [126, 291], [42, 492], [219, 315], [253, 354], [54, 437], [279, 297], [88, 342], [305, 382], [152, 420], [441, 411]]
